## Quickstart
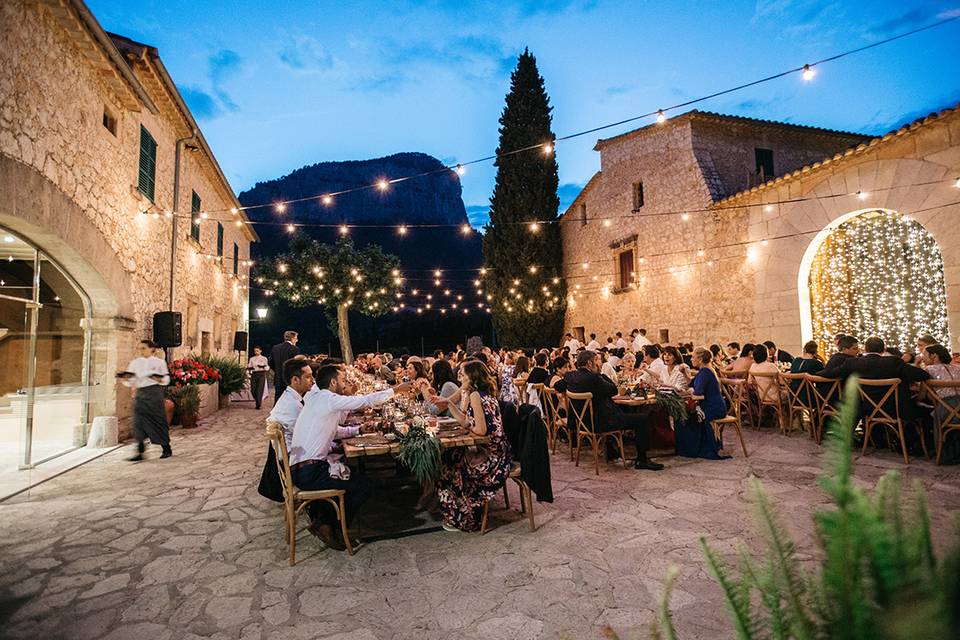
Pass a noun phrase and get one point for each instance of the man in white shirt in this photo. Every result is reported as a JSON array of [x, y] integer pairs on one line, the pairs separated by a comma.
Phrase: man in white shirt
[[571, 343], [593, 345], [299, 377], [652, 366], [147, 375], [318, 425], [620, 343], [640, 341], [258, 366]]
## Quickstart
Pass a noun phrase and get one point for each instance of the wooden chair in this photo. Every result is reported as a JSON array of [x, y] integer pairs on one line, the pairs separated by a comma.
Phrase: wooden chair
[[521, 389], [874, 413], [587, 431], [768, 396], [526, 499], [733, 392], [557, 423], [799, 399], [826, 393], [950, 420], [295, 500]]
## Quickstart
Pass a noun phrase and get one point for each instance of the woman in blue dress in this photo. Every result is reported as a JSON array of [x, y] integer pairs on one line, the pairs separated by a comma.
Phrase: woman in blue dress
[[695, 438]]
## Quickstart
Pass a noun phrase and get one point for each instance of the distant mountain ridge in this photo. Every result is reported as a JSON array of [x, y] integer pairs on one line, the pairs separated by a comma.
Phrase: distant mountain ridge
[[432, 198]]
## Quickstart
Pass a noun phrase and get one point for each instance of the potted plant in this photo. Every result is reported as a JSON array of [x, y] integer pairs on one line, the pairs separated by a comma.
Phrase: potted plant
[[185, 377], [233, 376]]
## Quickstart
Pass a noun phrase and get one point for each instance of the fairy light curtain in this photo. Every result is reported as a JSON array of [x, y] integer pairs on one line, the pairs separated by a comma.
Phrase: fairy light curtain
[[879, 274]]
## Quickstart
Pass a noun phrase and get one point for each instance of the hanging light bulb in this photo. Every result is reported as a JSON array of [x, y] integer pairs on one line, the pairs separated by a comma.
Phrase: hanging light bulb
[[661, 116], [534, 227], [402, 230], [327, 200], [234, 210], [281, 207], [291, 228], [808, 73], [460, 169], [547, 149], [863, 195], [465, 229], [685, 217], [382, 184], [343, 230]]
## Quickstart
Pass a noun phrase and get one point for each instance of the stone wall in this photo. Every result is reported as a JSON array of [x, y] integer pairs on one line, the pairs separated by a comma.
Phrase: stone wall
[[82, 189], [703, 270]]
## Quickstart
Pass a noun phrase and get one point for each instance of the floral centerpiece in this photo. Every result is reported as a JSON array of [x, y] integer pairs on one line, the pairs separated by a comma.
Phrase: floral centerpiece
[[419, 450], [185, 376]]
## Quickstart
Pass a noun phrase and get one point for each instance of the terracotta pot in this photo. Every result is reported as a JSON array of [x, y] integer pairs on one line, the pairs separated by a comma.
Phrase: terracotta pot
[[168, 407], [188, 421]]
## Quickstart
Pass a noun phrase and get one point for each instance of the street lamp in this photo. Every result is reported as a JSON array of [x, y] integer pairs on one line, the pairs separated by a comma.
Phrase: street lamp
[[261, 313]]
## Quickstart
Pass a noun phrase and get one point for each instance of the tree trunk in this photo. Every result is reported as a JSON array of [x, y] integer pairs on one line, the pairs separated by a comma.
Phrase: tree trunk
[[343, 331]]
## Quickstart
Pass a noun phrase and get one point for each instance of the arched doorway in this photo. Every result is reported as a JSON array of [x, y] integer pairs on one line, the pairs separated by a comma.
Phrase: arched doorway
[[873, 272], [45, 332]]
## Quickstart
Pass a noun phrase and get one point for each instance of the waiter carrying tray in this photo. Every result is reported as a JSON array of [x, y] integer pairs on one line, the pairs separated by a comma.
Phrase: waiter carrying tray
[[147, 375]]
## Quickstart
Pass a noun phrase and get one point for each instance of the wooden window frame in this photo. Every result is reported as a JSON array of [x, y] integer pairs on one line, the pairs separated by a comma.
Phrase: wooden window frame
[[637, 195], [618, 248], [147, 165]]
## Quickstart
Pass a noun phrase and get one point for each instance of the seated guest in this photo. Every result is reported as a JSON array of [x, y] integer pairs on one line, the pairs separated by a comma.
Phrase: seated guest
[[716, 355], [628, 365], [299, 377], [381, 371], [508, 392], [652, 366], [314, 463], [675, 370], [874, 366], [940, 367], [809, 362], [539, 373], [561, 367], [847, 347], [521, 369], [741, 365], [909, 357], [468, 480], [768, 388], [695, 438], [777, 355], [620, 343], [593, 345], [732, 351], [417, 375], [924, 341], [607, 415]]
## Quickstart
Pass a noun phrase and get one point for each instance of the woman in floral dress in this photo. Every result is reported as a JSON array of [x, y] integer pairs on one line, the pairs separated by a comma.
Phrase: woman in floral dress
[[469, 479]]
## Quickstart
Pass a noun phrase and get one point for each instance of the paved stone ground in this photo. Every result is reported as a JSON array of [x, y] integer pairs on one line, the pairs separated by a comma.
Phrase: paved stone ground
[[185, 548]]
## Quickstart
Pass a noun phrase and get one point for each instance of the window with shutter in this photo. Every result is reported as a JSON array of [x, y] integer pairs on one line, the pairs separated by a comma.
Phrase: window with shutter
[[236, 259], [195, 216], [147, 175], [764, 163], [583, 215], [219, 240], [626, 269], [637, 195]]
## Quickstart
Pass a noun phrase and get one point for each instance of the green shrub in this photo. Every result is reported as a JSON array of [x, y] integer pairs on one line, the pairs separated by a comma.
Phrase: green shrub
[[878, 576], [233, 375], [186, 397]]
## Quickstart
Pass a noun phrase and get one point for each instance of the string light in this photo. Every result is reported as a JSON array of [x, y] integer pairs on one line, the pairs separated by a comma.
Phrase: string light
[[382, 184], [234, 210], [291, 228], [344, 230], [661, 116], [465, 229], [547, 149], [534, 227], [327, 200], [808, 73], [460, 169], [281, 207], [685, 217], [402, 230], [863, 195]]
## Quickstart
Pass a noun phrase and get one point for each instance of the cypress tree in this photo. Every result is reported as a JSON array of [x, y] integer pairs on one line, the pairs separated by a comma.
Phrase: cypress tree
[[518, 257]]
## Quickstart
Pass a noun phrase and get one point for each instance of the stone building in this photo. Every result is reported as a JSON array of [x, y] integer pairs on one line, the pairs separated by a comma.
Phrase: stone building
[[704, 228], [103, 170]]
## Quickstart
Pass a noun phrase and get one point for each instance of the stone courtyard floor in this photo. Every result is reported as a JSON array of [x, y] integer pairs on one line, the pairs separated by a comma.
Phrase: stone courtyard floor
[[186, 548]]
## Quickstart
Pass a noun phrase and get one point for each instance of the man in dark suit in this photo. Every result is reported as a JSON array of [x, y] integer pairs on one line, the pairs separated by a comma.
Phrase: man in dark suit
[[777, 355], [873, 365], [278, 355], [607, 415], [847, 347]]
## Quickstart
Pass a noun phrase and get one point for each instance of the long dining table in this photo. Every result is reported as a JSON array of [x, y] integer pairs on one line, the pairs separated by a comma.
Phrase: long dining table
[[450, 435]]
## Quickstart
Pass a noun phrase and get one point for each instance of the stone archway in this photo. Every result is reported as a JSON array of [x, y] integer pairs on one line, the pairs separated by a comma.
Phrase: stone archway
[[873, 272]]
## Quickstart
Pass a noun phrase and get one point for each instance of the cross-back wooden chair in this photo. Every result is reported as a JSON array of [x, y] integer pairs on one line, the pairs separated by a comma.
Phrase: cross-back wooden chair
[[949, 418], [733, 392], [295, 500], [586, 428], [558, 423], [875, 413], [537, 389], [799, 399], [768, 396], [521, 388], [826, 394]]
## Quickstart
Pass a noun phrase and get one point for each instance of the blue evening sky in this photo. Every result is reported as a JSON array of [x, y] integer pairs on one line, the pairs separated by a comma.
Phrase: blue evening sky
[[282, 84]]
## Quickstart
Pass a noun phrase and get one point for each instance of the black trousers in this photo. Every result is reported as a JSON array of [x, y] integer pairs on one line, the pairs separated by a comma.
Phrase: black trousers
[[258, 382], [635, 421], [150, 418], [317, 476]]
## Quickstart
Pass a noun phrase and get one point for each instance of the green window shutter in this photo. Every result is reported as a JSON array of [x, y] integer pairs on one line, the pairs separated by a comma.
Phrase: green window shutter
[[195, 217], [219, 240], [236, 259], [147, 175]]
